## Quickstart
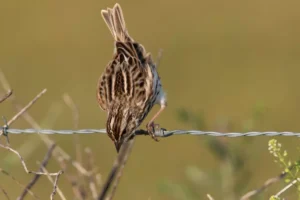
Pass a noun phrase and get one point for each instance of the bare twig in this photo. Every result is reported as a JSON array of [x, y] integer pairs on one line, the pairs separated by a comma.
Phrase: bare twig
[[287, 187], [18, 183], [36, 177], [4, 81], [267, 184], [78, 185], [54, 182], [23, 162], [25, 108], [125, 149], [209, 197], [4, 192], [91, 179], [8, 94], [55, 185], [120, 172], [71, 104], [6, 86], [14, 118], [33, 172], [75, 113], [78, 191], [58, 150]]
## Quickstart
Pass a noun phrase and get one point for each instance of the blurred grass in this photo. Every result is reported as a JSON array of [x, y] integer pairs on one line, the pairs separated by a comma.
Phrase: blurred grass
[[220, 60]]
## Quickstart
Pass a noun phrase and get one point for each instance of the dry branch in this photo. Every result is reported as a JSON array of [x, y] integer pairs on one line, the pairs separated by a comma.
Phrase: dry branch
[[8, 94], [54, 182], [24, 109], [14, 118], [36, 177], [4, 81], [23, 162], [75, 114], [124, 151], [267, 184], [209, 197], [57, 174], [120, 172], [91, 179], [71, 104], [55, 185], [78, 191], [58, 150], [287, 187], [45, 138], [17, 182], [4, 192], [58, 153]]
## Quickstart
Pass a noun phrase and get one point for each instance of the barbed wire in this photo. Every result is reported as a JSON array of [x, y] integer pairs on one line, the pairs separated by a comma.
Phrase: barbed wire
[[159, 133]]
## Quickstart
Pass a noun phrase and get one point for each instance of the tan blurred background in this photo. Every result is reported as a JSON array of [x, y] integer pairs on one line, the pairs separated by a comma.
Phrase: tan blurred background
[[222, 60]]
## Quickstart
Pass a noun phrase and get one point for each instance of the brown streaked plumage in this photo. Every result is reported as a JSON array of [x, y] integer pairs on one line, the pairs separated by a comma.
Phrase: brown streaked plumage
[[130, 85]]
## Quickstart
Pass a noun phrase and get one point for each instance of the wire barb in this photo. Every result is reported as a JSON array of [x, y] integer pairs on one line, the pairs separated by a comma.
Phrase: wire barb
[[159, 133], [5, 127]]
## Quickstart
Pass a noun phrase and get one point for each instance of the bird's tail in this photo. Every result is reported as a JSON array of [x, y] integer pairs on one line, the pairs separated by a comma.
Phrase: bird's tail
[[116, 24]]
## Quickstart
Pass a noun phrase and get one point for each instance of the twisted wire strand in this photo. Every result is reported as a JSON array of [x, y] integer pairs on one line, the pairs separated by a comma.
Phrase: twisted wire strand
[[159, 133]]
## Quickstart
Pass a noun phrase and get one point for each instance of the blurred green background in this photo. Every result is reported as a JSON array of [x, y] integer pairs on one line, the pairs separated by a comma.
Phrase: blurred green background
[[226, 66]]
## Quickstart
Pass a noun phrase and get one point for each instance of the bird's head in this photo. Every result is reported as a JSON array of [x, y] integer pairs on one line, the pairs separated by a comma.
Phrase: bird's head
[[121, 124]]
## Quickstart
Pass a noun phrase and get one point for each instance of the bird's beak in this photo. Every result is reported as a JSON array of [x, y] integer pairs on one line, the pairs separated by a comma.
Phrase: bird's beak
[[118, 146]]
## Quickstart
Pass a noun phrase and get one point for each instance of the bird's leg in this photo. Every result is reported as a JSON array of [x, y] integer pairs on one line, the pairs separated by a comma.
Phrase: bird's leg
[[151, 127]]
